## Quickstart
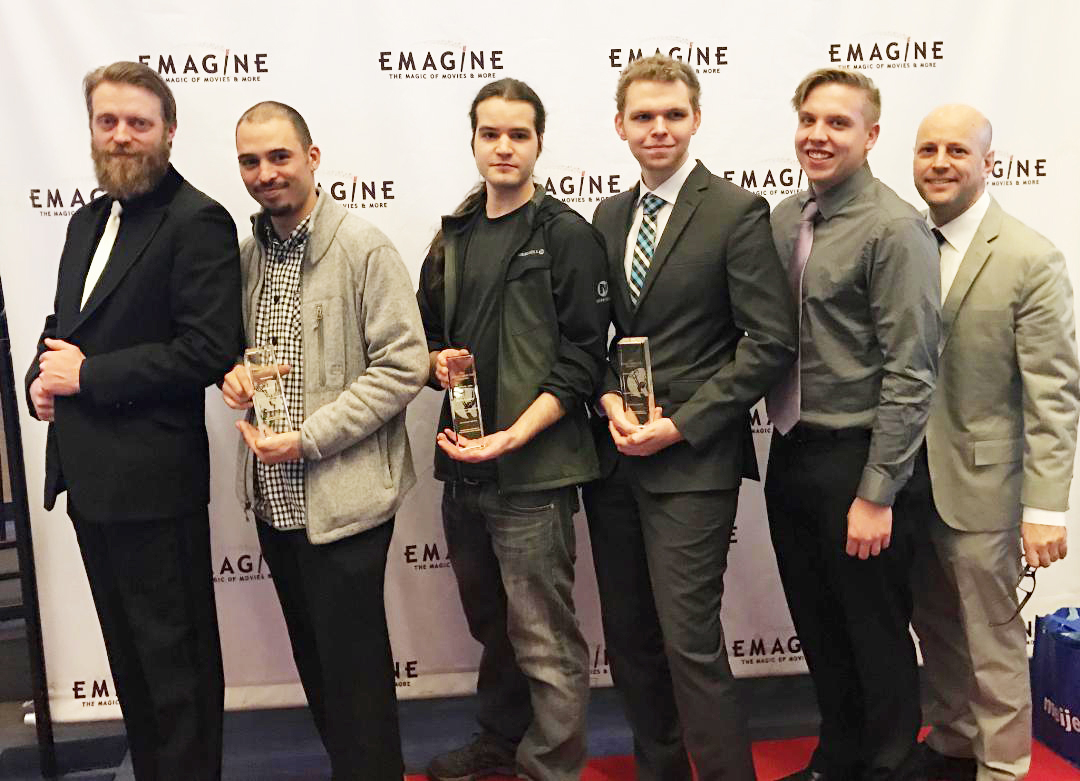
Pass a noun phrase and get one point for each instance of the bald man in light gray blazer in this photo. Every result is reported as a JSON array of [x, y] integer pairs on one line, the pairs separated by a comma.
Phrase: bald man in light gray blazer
[[1000, 446]]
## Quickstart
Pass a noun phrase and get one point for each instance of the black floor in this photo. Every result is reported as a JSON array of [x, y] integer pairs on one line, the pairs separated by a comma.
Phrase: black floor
[[282, 745]]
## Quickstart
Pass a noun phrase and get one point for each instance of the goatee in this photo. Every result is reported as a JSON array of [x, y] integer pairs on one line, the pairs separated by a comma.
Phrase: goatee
[[123, 173]]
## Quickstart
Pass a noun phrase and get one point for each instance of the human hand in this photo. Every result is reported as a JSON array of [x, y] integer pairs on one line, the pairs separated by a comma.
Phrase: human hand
[[654, 436], [271, 449], [869, 528], [1043, 543], [438, 365], [237, 388], [487, 448], [42, 400], [59, 367]]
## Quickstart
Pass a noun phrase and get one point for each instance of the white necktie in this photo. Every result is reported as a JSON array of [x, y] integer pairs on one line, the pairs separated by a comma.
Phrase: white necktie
[[101, 254]]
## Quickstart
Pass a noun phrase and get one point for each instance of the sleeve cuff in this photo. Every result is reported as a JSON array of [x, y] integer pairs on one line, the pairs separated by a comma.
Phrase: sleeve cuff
[[1043, 517], [875, 487]]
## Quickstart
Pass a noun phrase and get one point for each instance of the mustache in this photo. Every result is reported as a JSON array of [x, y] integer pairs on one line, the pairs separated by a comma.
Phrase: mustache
[[121, 151]]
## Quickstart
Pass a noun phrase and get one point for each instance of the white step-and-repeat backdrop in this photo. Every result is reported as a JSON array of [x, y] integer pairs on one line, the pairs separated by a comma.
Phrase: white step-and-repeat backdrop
[[385, 88]]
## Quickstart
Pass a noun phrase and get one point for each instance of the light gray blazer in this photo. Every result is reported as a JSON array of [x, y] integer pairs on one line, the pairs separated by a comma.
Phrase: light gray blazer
[[1002, 428]]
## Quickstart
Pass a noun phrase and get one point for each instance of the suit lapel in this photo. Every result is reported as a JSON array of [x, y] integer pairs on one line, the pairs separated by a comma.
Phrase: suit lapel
[[970, 267], [615, 241], [689, 197], [75, 263], [136, 231]]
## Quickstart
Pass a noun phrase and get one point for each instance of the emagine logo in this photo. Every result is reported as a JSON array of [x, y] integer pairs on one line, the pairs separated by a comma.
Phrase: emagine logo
[[759, 419], [769, 177], [93, 693], [1011, 170], [441, 60], [211, 65], [241, 568], [887, 50], [703, 57], [357, 192], [405, 672], [62, 201], [766, 650], [571, 184], [426, 556]]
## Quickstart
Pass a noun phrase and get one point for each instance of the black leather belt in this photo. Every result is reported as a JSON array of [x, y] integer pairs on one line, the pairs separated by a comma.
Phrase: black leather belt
[[804, 432]]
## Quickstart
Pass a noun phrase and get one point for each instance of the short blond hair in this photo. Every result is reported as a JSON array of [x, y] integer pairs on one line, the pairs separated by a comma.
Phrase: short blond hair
[[658, 67], [849, 78]]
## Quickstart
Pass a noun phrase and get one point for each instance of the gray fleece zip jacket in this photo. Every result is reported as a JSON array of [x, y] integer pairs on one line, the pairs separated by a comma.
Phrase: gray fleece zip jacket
[[365, 358]]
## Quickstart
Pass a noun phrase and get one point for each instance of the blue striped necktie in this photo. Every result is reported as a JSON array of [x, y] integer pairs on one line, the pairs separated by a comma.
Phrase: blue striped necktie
[[645, 245]]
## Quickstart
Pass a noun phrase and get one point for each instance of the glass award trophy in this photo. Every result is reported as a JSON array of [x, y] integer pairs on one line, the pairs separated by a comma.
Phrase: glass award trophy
[[635, 378], [465, 400], [271, 411]]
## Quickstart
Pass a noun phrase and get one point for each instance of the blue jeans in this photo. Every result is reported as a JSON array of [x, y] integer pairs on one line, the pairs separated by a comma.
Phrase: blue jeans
[[513, 556]]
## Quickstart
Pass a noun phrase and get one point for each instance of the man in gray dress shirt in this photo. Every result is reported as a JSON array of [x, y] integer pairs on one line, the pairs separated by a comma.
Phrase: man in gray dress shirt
[[848, 422]]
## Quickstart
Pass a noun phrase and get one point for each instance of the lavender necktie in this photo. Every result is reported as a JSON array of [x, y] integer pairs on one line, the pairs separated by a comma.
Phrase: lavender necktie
[[783, 402]]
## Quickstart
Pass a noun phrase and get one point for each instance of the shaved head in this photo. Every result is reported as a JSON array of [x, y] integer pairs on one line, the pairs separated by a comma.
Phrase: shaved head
[[959, 117], [952, 160], [271, 109]]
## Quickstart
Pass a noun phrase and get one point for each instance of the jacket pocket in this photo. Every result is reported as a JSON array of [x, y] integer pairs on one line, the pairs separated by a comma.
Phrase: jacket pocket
[[324, 344], [527, 261], [528, 303], [997, 451], [682, 390], [384, 457]]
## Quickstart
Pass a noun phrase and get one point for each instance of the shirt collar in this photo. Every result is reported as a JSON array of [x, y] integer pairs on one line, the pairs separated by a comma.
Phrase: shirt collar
[[960, 230], [833, 199], [670, 187]]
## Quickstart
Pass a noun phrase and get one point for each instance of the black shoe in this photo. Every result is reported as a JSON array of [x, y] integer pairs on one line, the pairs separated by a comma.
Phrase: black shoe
[[925, 763], [809, 774], [806, 774], [487, 755]]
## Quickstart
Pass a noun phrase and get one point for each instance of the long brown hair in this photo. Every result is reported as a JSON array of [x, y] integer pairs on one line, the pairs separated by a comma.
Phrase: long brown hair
[[507, 89]]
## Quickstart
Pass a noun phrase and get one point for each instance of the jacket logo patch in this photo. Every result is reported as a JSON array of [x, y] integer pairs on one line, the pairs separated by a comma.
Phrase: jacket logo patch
[[528, 252], [602, 292]]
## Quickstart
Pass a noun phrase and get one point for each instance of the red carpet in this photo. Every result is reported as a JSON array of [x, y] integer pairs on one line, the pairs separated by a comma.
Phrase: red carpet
[[776, 758]]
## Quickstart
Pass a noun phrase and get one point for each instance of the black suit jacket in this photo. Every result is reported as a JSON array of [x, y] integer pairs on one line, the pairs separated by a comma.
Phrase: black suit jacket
[[718, 312], [162, 323]]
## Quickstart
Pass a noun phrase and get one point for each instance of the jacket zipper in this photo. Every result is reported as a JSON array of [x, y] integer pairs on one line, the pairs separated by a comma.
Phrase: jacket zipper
[[321, 342]]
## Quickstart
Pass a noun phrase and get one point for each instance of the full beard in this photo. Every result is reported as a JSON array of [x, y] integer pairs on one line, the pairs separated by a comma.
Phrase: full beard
[[125, 174]]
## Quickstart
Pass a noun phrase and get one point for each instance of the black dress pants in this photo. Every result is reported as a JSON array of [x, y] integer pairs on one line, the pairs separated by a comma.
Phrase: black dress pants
[[851, 615], [154, 594], [332, 599]]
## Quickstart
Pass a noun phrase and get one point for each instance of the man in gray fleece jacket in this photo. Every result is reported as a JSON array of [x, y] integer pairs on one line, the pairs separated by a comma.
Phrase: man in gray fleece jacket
[[330, 293]]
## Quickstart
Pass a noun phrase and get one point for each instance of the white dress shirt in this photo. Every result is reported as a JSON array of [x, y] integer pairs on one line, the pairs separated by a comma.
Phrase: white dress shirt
[[669, 191], [959, 233]]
